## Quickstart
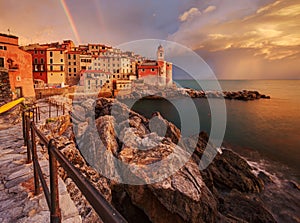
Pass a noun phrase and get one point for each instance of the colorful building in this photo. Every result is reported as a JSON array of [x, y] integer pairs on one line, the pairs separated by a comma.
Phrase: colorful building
[[95, 81], [156, 71], [72, 66], [56, 66], [39, 61], [16, 64]]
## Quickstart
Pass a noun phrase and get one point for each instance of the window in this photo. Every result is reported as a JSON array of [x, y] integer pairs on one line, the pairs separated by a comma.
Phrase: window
[[70, 70], [69, 63], [74, 56], [74, 63], [74, 75], [74, 70], [61, 52], [51, 68], [70, 75], [42, 60], [35, 52], [42, 52], [51, 60], [69, 56], [152, 69], [35, 60], [61, 74], [61, 60], [61, 68], [51, 54]]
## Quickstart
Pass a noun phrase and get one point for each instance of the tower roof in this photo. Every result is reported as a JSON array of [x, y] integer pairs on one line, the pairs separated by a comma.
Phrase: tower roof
[[160, 47]]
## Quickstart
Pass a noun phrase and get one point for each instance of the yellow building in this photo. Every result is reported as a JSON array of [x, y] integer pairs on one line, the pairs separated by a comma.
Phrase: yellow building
[[56, 66]]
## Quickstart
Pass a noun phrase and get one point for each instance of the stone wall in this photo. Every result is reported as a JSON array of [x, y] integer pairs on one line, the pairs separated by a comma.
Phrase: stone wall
[[5, 90]]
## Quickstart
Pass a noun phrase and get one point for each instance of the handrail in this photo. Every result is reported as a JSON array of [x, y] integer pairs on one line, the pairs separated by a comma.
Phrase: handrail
[[102, 207]]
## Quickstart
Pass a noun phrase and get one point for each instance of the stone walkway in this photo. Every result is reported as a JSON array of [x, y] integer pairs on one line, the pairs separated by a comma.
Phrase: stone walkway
[[17, 202]]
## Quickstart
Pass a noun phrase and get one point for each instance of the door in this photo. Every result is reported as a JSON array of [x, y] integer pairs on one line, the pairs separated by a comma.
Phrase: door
[[19, 92]]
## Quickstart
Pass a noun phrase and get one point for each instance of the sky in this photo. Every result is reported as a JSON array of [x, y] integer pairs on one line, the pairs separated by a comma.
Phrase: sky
[[246, 39]]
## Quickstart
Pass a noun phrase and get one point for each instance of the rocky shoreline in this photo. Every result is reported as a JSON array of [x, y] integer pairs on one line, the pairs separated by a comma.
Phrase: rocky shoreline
[[227, 191], [154, 92]]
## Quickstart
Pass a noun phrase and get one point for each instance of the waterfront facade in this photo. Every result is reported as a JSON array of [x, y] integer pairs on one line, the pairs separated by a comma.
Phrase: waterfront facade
[[156, 72]]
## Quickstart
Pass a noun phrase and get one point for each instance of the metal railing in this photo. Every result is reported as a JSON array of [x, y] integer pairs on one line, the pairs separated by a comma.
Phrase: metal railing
[[30, 132]]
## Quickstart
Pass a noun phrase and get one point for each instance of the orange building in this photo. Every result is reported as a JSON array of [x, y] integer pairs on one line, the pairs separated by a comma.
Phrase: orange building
[[18, 64]]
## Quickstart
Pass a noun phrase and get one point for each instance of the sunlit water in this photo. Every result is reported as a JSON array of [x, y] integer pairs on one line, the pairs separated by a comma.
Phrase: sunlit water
[[259, 129], [265, 132]]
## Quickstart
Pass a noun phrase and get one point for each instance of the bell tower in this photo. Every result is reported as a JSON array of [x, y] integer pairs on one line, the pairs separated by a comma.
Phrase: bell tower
[[160, 53]]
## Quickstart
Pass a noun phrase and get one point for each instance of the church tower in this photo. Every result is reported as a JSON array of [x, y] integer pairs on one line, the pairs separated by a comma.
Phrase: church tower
[[160, 53]]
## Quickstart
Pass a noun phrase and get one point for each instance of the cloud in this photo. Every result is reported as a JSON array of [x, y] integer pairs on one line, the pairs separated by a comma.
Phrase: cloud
[[272, 32], [210, 8], [189, 14], [267, 38]]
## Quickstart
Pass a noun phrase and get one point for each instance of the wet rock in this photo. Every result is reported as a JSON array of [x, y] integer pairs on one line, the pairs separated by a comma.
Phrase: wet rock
[[265, 177], [246, 208]]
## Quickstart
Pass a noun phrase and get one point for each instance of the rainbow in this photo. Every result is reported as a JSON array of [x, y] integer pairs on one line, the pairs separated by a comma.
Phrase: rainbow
[[71, 20]]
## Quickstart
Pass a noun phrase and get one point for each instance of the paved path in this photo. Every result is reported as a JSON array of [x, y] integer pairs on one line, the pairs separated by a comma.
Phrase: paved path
[[17, 202]]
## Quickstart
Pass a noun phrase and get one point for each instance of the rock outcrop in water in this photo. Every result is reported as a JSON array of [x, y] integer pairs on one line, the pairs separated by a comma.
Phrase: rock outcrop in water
[[227, 191], [155, 92]]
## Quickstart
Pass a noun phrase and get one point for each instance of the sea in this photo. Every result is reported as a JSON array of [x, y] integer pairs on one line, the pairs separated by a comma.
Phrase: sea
[[266, 132]]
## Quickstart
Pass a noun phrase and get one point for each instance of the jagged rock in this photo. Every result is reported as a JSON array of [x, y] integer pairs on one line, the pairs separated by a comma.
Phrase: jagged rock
[[244, 208], [171, 131], [125, 147], [182, 197], [106, 131]]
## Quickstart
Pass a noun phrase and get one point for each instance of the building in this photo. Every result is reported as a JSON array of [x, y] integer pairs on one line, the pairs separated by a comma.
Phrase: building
[[156, 71], [95, 81], [85, 61], [16, 70], [72, 67], [39, 61], [115, 64], [56, 66]]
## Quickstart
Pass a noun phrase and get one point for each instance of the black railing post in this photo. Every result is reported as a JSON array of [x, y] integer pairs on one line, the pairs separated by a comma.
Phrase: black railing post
[[49, 109], [36, 114], [57, 108], [32, 110], [55, 215], [28, 143], [35, 160], [24, 127]]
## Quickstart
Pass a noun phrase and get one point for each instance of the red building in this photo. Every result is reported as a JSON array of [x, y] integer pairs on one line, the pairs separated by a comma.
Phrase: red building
[[18, 64], [156, 71], [39, 62]]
